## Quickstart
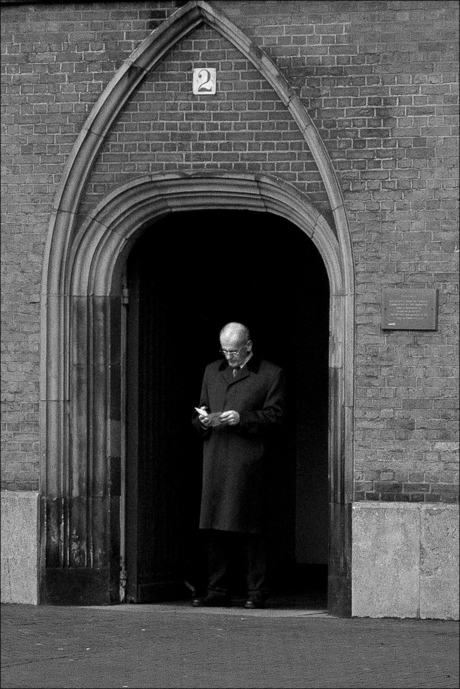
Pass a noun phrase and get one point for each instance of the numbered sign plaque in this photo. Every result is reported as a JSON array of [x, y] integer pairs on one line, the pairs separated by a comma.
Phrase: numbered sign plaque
[[204, 81]]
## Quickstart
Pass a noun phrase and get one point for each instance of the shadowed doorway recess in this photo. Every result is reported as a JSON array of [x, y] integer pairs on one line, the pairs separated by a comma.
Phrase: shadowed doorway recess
[[188, 275]]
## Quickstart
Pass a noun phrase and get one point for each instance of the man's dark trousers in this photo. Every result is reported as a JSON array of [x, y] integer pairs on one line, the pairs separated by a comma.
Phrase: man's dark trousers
[[222, 548]]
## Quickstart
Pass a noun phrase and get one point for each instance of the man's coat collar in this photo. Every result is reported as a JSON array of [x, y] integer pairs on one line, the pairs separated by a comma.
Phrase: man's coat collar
[[253, 365]]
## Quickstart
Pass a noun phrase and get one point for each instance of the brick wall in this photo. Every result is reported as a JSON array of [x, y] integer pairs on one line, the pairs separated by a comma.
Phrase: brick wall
[[379, 79], [244, 128]]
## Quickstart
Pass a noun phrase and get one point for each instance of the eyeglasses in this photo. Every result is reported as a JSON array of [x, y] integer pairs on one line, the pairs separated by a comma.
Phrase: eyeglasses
[[232, 352]]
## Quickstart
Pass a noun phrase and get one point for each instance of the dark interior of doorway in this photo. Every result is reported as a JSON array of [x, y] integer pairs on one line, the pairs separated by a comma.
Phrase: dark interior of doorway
[[188, 275]]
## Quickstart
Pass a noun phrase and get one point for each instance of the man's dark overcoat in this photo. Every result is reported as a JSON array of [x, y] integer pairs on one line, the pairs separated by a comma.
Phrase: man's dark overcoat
[[233, 456]]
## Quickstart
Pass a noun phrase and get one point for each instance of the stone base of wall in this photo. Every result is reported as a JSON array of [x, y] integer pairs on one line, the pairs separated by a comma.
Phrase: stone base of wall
[[404, 557], [405, 560], [19, 547]]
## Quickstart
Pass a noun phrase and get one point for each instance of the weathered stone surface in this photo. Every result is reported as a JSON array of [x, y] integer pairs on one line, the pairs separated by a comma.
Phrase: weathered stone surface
[[439, 562], [385, 560], [19, 547], [405, 560]]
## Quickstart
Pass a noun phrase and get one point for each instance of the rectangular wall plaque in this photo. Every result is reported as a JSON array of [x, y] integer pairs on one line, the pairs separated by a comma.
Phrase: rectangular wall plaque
[[410, 309]]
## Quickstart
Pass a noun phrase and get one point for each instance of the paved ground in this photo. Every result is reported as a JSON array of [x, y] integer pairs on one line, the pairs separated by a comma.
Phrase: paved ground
[[179, 646]]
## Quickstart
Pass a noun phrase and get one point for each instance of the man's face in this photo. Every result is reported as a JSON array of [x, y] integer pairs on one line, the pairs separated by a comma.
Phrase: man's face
[[234, 349]]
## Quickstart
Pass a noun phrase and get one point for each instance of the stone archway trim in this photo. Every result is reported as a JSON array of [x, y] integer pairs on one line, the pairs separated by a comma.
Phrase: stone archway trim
[[81, 434], [120, 216]]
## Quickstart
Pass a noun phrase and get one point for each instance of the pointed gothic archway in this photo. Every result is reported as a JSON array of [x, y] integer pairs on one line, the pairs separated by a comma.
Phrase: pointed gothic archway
[[81, 358]]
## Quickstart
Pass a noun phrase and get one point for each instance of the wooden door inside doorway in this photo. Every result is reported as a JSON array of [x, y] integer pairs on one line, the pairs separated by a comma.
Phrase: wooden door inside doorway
[[188, 275]]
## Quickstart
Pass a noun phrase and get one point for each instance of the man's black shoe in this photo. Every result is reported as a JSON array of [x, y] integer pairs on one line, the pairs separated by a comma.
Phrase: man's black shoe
[[211, 602], [254, 604]]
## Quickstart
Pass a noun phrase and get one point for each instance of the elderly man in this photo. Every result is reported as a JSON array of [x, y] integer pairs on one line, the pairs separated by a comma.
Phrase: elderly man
[[241, 404]]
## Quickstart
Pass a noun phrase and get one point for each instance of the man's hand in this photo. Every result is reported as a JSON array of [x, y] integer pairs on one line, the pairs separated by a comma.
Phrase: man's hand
[[230, 418], [204, 418], [205, 421]]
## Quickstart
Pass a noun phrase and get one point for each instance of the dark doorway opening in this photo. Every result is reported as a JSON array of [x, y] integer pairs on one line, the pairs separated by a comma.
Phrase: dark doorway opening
[[188, 275]]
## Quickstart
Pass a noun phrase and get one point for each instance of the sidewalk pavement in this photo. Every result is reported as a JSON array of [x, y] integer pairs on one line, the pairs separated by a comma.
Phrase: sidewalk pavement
[[175, 645]]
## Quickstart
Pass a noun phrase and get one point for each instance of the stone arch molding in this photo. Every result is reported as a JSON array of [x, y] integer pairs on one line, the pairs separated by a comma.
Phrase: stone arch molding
[[80, 292], [110, 230]]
